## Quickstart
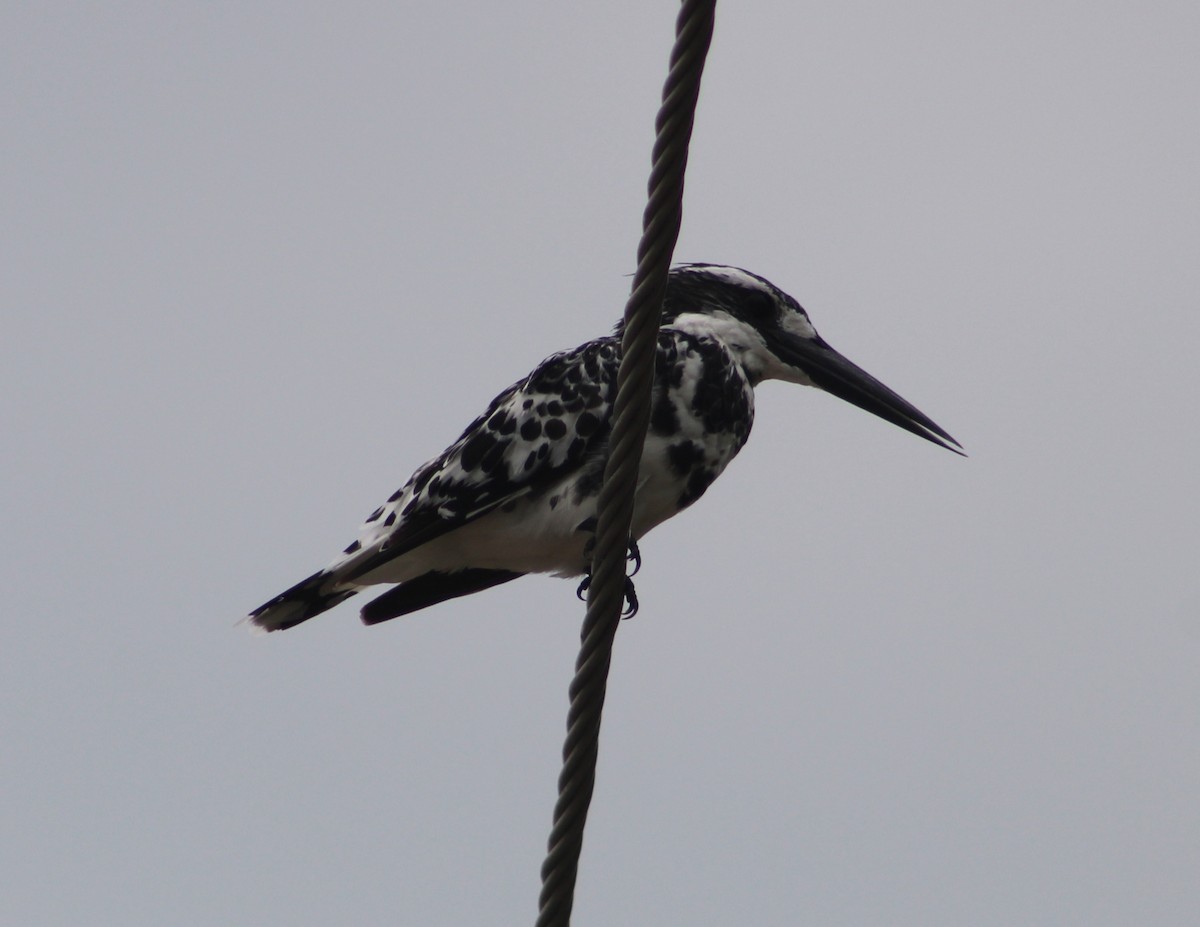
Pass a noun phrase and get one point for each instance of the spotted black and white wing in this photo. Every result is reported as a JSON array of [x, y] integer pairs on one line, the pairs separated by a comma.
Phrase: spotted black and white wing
[[532, 433], [552, 423]]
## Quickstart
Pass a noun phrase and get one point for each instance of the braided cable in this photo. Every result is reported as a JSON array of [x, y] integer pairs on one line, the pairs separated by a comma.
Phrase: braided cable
[[606, 594]]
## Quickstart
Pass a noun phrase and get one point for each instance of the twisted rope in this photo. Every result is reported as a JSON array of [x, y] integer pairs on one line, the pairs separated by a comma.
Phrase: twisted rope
[[631, 416]]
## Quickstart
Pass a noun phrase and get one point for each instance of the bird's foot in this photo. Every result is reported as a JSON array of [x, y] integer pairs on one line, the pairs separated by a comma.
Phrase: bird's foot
[[631, 600], [634, 556]]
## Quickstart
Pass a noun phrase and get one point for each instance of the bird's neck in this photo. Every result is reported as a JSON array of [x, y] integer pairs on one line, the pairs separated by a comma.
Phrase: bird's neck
[[742, 342]]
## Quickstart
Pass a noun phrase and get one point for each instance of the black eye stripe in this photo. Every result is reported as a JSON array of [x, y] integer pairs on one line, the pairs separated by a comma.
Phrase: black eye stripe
[[761, 305]]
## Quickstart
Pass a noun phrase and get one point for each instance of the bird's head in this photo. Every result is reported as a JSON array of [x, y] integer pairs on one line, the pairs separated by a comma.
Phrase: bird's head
[[771, 336]]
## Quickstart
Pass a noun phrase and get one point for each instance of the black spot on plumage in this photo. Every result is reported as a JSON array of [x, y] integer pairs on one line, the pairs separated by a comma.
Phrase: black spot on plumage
[[543, 451], [527, 404], [697, 485], [531, 460], [720, 400], [554, 407], [586, 391], [575, 451], [495, 454], [420, 480], [555, 428], [685, 456], [374, 515], [352, 548], [668, 368], [502, 423], [396, 495], [531, 429], [664, 419], [586, 424], [589, 482], [391, 519], [474, 450]]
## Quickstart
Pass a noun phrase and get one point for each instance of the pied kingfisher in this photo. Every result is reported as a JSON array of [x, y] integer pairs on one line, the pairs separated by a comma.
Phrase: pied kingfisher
[[517, 492]]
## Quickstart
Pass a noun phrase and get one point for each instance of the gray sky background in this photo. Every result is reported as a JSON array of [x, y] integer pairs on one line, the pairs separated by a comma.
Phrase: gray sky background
[[262, 260]]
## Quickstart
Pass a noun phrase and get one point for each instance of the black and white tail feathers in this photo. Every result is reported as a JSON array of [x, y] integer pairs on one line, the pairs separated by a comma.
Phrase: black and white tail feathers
[[305, 600]]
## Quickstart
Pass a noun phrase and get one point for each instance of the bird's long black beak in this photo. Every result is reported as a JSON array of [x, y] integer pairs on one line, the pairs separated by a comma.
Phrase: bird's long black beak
[[833, 373]]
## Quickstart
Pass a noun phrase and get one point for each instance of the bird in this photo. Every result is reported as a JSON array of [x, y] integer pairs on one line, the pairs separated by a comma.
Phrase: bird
[[517, 492]]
